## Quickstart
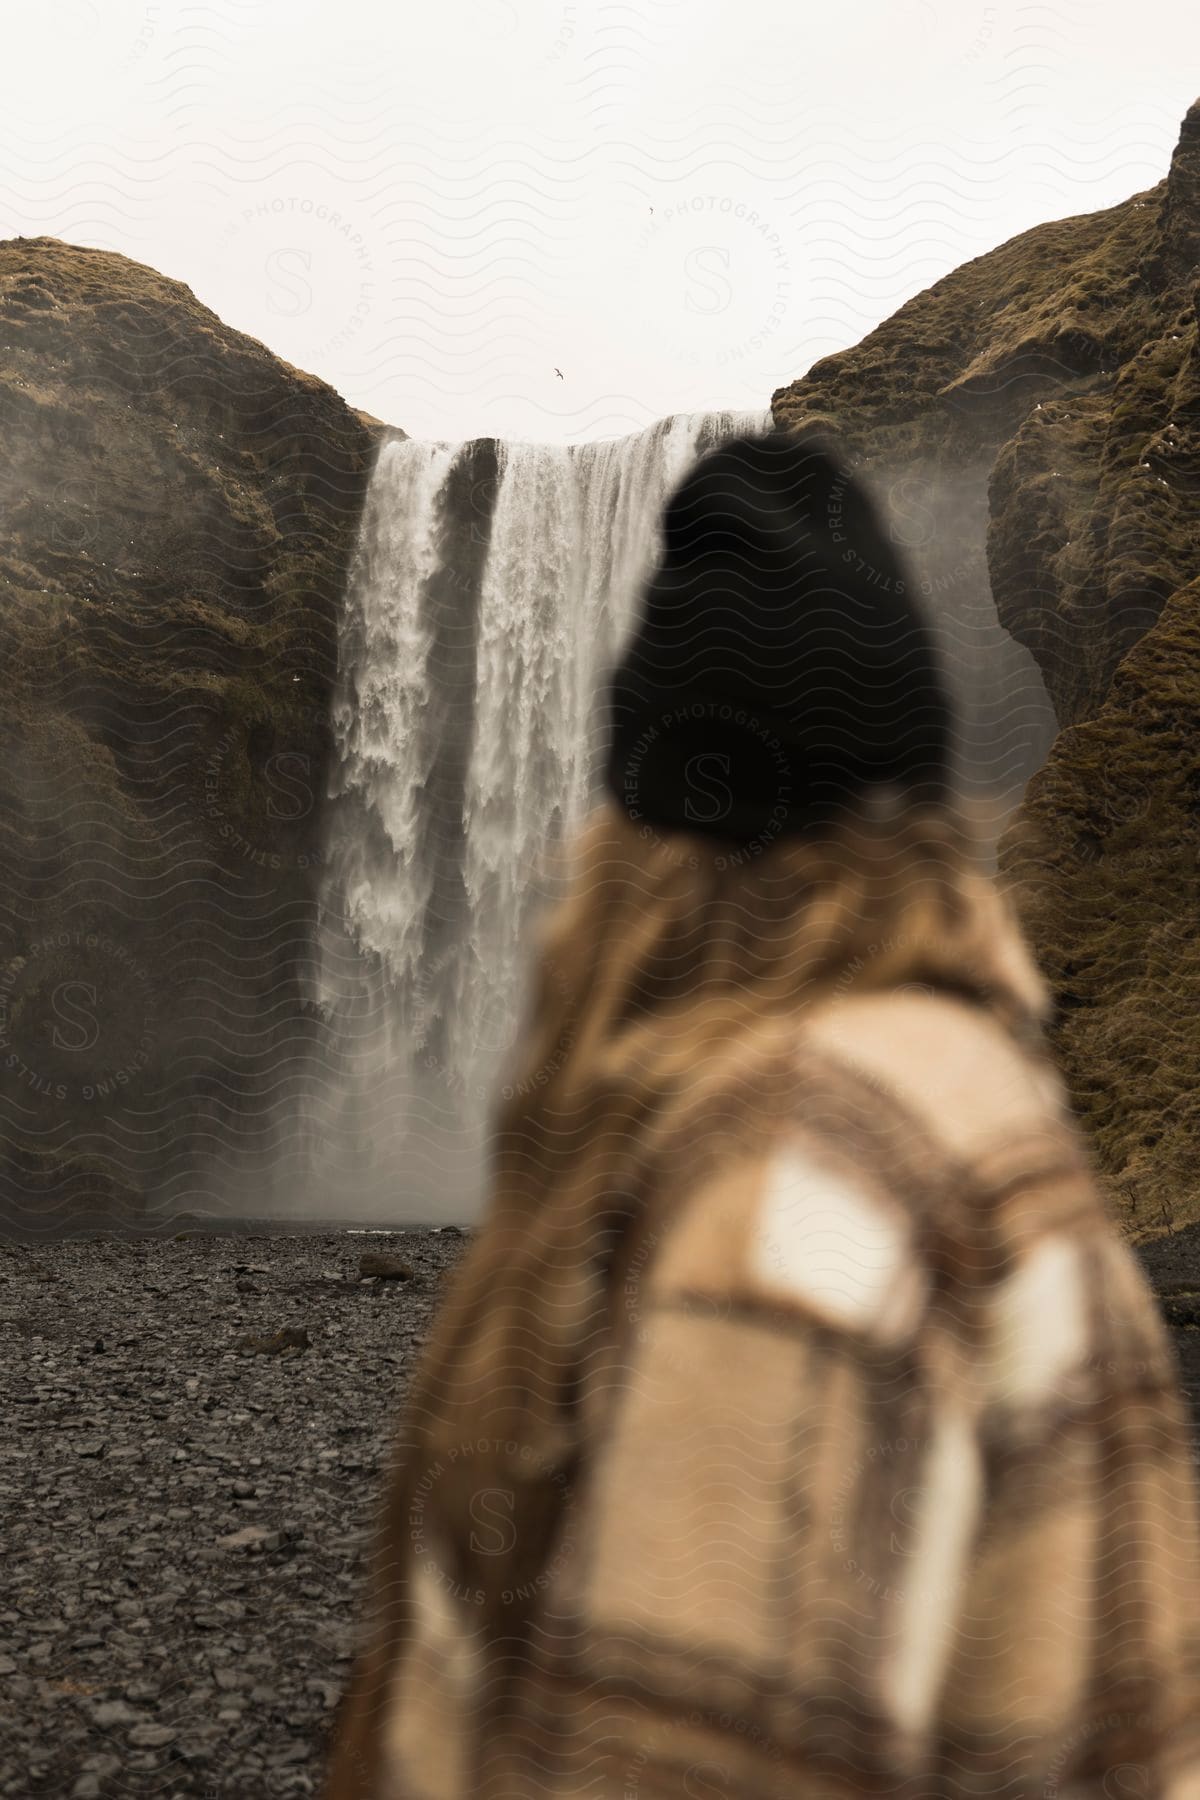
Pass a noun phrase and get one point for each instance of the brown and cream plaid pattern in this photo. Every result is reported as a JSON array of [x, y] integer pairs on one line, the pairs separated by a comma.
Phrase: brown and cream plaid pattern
[[881, 1480]]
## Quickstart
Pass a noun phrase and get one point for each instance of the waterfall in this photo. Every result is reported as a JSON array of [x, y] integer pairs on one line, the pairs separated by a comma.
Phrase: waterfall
[[381, 706], [491, 588], [492, 585]]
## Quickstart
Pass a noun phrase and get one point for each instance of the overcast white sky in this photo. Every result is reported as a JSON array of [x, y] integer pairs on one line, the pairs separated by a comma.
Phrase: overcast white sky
[[681, 204]]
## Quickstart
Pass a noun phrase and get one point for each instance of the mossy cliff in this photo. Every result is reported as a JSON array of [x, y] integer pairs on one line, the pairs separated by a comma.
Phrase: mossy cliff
[[179, 508], [1060, 371]]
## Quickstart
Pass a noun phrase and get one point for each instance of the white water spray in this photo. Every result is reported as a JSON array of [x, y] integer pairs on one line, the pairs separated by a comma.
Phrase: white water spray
[[451, 793]]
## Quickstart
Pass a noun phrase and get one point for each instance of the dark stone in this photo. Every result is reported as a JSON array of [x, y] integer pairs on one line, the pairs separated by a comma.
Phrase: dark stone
[[375, 1265], [185, 505]]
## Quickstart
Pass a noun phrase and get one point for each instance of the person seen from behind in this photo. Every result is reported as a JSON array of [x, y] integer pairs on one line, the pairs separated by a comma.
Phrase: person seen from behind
[[797, 1424]]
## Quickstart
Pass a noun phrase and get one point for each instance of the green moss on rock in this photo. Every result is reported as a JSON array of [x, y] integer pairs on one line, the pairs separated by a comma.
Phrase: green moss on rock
[[1104, 859], [180, 508]]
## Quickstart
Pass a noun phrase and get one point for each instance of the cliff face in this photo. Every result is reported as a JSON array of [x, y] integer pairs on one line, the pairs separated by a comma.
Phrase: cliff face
[[178, 511], [1061, 369], [1105, 851]]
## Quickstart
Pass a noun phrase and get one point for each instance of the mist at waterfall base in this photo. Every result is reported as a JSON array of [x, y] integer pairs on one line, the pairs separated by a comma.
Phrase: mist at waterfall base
[[491, 588]]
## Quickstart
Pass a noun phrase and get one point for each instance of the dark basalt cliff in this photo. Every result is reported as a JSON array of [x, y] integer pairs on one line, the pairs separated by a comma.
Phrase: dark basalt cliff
[[178, 511], [1059, 375]]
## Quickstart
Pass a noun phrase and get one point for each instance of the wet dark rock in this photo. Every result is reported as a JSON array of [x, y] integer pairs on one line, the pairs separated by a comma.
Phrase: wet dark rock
[[250, 1537], [1183, 1311], [151, 1736], [287, 1534], [115, 1712], [289, 1339], [383, 1268]]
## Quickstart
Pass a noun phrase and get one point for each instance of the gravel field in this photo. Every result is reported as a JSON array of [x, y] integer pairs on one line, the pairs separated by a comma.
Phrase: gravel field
[[140, 1651], [185, 1515]]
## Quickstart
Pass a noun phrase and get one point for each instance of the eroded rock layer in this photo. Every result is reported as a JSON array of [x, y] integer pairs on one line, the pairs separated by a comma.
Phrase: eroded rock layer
[[177, 511]]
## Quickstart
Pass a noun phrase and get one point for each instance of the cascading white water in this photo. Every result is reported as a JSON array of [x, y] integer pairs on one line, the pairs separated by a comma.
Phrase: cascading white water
[[378, 713], [468, 733], [491, 588]]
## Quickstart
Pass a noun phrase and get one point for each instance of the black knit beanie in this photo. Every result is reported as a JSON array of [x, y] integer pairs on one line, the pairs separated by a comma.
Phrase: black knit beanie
[[779, 670]]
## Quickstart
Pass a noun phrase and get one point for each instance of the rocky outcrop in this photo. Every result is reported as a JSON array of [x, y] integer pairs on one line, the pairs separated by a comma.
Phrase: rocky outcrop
[[1061, 372], [178, 512], [1104, 852], [1105, 847]]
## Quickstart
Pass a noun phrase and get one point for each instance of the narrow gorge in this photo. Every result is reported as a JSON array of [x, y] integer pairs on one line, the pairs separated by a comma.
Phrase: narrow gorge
[[296, 709]]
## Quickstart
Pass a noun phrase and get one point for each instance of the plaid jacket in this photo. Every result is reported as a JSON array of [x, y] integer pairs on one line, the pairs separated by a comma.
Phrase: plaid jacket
[[881, 1485]]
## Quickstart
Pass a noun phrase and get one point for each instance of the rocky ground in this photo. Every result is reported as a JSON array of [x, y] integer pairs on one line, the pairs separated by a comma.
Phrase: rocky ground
[[192, 1432], [184, 1518]]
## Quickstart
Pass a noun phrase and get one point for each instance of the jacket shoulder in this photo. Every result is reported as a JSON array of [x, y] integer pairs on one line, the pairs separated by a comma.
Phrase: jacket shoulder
[[952, 1063], [918, 1119]]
